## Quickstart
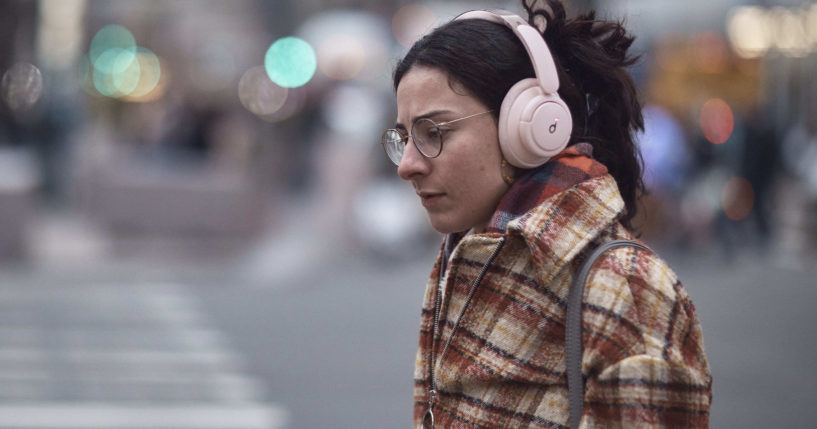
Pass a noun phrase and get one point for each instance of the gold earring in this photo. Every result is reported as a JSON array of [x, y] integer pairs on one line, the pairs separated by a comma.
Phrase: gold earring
[[508, 179]]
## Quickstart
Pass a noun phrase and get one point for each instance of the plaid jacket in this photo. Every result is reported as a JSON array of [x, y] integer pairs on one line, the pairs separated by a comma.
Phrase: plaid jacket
[[644, 363]]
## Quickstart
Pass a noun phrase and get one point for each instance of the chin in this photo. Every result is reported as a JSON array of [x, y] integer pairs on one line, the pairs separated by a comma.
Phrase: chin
[[445, 226]]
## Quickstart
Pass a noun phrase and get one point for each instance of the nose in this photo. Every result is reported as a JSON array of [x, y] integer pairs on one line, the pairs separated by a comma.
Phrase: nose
[[413, 163]]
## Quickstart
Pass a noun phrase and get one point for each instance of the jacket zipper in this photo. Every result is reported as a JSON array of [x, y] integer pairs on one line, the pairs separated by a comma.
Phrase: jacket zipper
[[432, 392]]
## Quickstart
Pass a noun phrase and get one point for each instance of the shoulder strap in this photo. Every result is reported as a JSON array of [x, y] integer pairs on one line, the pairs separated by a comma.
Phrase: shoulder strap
[[573, 328]]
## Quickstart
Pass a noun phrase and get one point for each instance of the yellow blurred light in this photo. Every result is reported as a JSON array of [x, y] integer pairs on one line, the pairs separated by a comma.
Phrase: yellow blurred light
[[341, 57], [150, 84], [738, 198], [811, 26], [126, 79], [749, 31], [259, 94], [710, 52], [717, 121], [411, 22], [790, 33]]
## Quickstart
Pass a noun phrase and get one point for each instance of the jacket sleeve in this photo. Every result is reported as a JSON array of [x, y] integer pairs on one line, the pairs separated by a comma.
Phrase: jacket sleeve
[[647, 391], [659, 376]]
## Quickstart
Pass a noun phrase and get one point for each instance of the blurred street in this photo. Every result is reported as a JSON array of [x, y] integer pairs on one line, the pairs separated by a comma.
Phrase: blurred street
[[199, 228], [231, 345]]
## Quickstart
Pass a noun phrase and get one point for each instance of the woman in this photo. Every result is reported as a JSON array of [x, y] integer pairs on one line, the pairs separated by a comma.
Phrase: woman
[[525, 159]]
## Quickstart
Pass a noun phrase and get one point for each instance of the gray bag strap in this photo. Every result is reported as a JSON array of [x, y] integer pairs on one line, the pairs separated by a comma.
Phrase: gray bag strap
[[573, 328]]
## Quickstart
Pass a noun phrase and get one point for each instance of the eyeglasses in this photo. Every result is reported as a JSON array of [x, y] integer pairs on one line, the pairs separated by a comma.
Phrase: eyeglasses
[[427, 136]]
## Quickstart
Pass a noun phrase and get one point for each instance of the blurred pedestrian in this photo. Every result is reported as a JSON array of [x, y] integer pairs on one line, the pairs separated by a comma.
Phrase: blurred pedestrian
[[525, 182]]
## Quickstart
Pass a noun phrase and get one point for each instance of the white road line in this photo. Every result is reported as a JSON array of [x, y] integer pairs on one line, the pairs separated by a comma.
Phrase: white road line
[[124, 345], [108, 416], [22, 355], [240, 385], [25, 374], [213, 357]]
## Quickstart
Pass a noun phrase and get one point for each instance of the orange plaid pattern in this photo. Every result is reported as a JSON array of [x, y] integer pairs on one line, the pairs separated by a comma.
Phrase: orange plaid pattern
[[644, 362]]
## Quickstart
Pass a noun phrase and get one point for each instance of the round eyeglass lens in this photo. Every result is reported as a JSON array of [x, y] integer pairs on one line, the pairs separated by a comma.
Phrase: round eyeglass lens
[[427, 137], [394, 145]]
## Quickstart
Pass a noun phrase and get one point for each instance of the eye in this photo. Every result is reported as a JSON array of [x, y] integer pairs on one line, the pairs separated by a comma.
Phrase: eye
[[428, 130]]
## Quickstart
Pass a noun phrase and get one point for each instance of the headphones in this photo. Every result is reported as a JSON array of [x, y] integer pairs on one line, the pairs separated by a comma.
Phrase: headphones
[[534, 122]]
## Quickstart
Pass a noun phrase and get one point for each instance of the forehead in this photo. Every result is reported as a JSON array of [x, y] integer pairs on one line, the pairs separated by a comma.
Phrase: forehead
[[426, 89]]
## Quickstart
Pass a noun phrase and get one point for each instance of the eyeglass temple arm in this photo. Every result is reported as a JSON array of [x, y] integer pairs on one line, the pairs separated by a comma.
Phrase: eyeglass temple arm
[[459, 119]]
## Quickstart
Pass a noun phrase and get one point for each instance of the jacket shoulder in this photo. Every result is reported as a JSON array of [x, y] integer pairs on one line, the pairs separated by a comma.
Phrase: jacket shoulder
[[643, 345]]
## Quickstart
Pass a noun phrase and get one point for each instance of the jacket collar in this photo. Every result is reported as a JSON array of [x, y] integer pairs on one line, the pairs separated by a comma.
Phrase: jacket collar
[[556, 209], [575, 164], [559, 228], [559, 207]]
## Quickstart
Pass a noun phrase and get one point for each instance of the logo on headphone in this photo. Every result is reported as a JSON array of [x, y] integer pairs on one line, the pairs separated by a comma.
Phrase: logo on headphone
[[553, 126]]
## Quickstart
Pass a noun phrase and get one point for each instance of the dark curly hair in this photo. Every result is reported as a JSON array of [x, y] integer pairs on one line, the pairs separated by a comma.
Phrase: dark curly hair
[[591, 57]]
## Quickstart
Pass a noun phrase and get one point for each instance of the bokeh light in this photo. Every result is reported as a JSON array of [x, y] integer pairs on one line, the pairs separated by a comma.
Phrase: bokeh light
[[116, 67], [290, 62], [341, 57], [111, 37], [717, 121], [21, 86], [790, 31], [350, 44], [143, 87], [122, 70], [259, 94], [811, 26], [754, 30], [749, 32], [412, 22], [122, 73], [738, 198]]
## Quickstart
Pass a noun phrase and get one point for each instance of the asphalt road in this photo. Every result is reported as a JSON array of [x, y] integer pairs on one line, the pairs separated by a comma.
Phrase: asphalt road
[[336, 345], [327, 340]]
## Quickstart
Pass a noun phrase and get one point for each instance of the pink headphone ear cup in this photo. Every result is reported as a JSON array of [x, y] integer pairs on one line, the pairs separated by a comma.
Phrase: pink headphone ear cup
[[533, 125]]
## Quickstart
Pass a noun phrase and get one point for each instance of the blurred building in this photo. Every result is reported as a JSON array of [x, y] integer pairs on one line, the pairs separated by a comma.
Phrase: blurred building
[[181, 141]]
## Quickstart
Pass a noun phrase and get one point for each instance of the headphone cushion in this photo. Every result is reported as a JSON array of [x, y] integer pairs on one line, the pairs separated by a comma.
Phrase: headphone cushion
[[533, 125]]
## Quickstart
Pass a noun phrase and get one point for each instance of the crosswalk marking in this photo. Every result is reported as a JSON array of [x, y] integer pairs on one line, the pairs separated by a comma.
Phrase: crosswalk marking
[[121, 356], [108, 416]]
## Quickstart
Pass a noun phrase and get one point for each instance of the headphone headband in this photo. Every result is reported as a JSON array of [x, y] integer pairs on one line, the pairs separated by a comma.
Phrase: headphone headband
[[534, 123], [535, 45]]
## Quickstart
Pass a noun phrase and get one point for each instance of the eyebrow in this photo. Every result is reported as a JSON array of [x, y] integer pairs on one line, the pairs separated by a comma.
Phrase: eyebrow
[[430, 114]]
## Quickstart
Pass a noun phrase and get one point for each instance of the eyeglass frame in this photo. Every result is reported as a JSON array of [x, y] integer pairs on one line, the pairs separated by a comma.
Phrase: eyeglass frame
[[404, 138]]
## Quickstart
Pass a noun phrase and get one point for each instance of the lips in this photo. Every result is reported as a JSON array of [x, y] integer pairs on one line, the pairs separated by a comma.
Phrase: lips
[[429, 198]]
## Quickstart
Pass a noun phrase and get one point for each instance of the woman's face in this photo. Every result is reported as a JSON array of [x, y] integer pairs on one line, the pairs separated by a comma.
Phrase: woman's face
[[461, 188]]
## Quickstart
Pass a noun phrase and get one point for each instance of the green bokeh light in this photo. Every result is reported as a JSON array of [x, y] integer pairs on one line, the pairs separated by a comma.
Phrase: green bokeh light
[[127, 73], [119, 67], [120, 73], [111, 37], [115, 60], [290, 62], [114, 72]]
